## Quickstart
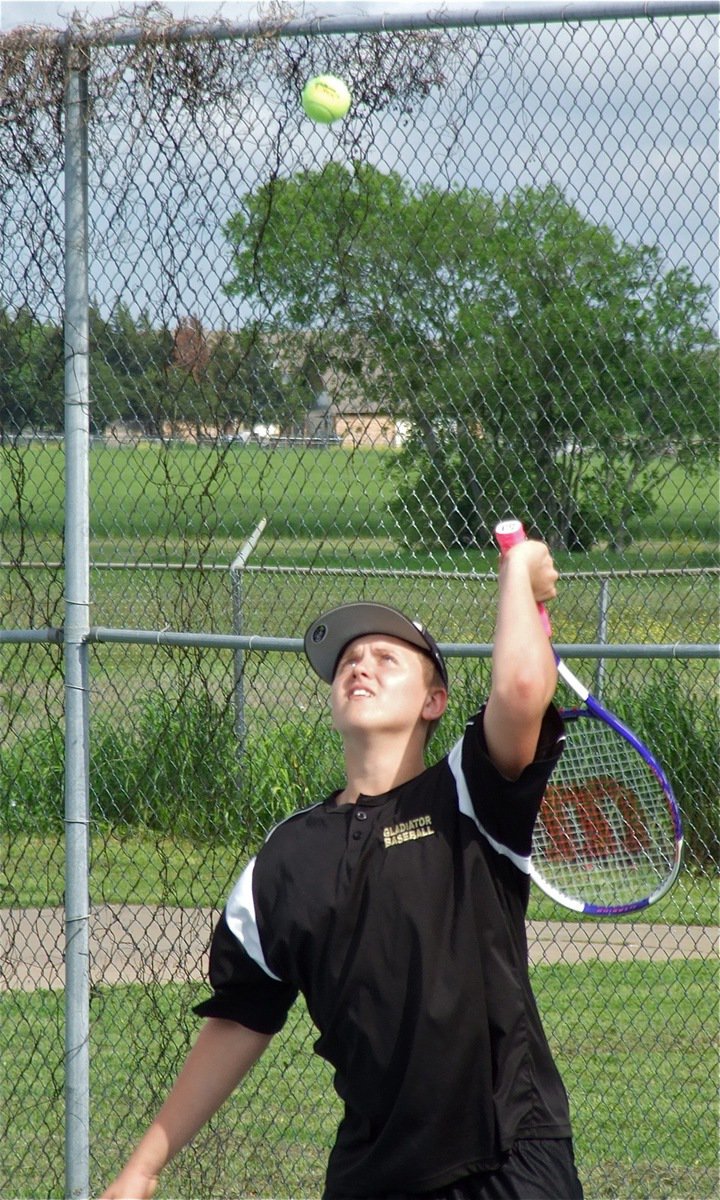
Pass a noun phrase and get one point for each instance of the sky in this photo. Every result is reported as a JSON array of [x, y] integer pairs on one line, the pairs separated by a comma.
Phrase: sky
[[56, 13], [40, 12], [625, 122]]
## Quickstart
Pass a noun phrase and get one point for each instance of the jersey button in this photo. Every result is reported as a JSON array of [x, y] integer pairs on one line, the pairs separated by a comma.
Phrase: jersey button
[[361, 816], [356, 835]]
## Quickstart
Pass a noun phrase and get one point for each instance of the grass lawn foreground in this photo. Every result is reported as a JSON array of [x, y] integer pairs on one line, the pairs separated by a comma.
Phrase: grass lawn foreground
[[635, 1041], [632, 1040]]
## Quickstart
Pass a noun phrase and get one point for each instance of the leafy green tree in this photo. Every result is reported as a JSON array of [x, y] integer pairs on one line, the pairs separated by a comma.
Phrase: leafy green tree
[[150, 376], [545, 367], [31, 373], [246, 384], [129, 370], [163, 379]]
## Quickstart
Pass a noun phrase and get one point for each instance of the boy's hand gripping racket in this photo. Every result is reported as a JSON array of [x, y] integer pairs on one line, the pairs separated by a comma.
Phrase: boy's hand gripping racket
[[608, 838]]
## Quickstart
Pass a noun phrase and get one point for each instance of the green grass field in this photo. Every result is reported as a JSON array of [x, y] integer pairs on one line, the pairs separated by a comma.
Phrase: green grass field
[[195, 506], [139, 867], [185, 503], [634, 1043]]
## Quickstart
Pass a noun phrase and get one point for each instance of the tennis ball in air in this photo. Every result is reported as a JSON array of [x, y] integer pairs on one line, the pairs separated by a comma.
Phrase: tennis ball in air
[[325, 99]]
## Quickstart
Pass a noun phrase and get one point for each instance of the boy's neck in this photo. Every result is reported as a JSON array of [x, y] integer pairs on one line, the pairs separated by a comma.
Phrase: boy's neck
[[376, 769]]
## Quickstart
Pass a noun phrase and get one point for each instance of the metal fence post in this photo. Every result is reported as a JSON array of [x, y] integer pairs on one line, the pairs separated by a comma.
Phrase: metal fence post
[[77, 614], [236, 580], [602, 630]]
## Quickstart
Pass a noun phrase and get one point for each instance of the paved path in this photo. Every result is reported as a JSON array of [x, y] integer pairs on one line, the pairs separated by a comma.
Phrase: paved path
[[149, 944]]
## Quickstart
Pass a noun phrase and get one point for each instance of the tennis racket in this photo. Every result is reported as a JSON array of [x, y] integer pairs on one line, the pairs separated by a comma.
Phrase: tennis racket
[[608, 838]]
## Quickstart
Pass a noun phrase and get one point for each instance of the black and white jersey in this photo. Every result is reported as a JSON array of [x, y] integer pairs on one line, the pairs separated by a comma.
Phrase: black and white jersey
[[401, 919]]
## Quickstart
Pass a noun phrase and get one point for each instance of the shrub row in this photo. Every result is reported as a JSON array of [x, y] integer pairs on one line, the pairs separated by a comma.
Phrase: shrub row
[[174, 766]]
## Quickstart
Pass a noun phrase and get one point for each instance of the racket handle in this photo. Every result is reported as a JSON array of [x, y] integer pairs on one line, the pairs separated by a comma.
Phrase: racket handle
[[507, 534]]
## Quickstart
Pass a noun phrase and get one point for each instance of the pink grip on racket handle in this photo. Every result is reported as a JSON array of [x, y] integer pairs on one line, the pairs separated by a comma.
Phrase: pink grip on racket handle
[[507, 534]]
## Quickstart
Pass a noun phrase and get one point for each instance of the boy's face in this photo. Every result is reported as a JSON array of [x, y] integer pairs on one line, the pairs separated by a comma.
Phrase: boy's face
[[384, 685]]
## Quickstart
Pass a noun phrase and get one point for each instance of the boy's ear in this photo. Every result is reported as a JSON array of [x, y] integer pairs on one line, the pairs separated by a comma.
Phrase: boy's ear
[[435, 704]]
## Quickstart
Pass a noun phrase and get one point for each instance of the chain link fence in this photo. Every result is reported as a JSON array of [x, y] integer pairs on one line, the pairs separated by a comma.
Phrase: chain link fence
[[323, 361]]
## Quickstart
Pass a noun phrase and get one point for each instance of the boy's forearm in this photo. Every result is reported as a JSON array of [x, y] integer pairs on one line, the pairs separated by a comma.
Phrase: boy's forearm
[[523, 662], [222, 1055], [524, 673]]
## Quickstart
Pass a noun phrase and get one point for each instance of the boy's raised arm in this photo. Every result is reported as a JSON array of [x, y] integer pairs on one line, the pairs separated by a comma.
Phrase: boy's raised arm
[[222, 1055], [524, 674]]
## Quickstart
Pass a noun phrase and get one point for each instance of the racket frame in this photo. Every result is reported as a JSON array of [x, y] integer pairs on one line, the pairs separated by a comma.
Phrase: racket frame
[[509, 533], [594, 711]]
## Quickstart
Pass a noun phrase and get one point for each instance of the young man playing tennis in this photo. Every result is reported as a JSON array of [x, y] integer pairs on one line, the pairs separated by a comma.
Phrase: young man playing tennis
[[397, 906]]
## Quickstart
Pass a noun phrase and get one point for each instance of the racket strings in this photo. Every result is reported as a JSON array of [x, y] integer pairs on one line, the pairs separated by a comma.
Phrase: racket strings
[[605, 830]]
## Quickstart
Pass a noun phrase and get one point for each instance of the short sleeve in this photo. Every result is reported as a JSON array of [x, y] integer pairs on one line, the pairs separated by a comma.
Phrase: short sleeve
[[507, 809], [244, 987]]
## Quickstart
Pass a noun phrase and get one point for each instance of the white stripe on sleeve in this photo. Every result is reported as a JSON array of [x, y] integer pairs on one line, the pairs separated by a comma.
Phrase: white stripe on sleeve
[[242, 920], [465, 804]]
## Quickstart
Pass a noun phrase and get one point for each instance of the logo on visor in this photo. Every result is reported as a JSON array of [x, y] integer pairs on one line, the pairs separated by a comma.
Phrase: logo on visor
[[319, 633]]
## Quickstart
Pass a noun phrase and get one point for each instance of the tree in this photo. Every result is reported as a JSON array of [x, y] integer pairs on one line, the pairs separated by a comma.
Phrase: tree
[[545, 366], [31, 373], [129, 369], [245, 385]]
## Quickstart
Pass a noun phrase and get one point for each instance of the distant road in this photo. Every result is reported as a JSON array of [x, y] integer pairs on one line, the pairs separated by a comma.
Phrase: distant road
[[156, 944]]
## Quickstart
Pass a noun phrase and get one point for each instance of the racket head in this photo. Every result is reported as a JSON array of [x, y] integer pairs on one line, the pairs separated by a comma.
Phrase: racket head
[[608, 838]]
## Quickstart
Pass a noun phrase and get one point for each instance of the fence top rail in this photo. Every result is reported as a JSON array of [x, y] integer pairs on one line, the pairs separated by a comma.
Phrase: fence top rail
[[363, 572], [222, 641], [405, 573], [104, 32], [100, 634]]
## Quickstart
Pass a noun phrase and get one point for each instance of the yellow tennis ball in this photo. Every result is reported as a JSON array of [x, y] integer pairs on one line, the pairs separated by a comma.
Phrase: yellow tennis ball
[[326, 99]]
